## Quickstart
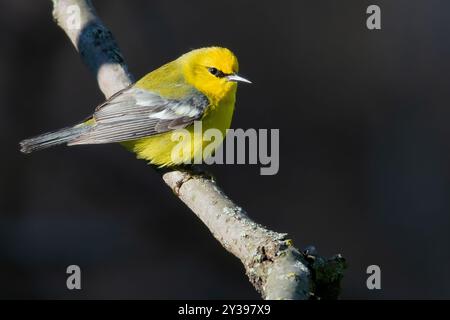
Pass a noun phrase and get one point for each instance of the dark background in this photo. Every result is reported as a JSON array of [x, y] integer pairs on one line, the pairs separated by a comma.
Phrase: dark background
[[364, 157]]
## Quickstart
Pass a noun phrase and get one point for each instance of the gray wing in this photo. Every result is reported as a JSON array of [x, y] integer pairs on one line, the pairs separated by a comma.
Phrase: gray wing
[[135, 113]]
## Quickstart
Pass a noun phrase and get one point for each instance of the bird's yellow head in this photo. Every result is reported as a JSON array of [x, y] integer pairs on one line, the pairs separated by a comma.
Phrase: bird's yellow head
[[212, 70]]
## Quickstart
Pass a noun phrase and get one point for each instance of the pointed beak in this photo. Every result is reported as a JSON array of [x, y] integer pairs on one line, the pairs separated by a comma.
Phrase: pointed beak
[[236, 78]]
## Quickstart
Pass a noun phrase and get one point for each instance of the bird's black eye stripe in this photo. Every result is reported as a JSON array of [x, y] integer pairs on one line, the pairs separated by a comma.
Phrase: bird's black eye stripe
[[216, 72]]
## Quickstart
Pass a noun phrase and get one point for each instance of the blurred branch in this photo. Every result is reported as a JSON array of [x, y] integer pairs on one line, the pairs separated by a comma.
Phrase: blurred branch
[[273, 265]]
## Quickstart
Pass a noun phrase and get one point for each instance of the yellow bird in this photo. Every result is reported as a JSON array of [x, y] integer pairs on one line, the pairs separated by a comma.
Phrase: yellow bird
[[198, 86]]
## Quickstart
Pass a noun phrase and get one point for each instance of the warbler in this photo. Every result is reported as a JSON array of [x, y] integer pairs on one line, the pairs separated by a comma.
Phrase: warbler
[[198, 86]]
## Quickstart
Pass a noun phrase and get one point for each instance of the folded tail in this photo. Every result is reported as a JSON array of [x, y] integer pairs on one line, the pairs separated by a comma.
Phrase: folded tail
[[47, 140]]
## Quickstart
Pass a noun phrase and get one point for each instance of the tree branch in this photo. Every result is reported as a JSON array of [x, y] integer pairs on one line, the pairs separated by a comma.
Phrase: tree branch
[[273, 265]]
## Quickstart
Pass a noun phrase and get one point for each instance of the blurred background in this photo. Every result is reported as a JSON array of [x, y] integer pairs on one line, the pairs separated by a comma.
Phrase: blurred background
[[364, 156]]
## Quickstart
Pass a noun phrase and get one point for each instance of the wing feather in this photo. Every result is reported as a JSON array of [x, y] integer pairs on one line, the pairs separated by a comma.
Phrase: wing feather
[[135, 113]]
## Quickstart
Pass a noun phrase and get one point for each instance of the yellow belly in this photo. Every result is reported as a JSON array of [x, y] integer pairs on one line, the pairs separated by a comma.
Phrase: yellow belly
[[158, 149]]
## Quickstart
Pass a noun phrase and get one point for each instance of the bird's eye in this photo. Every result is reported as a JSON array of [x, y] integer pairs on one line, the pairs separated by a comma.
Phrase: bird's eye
[[213, 71], [216, 72]]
